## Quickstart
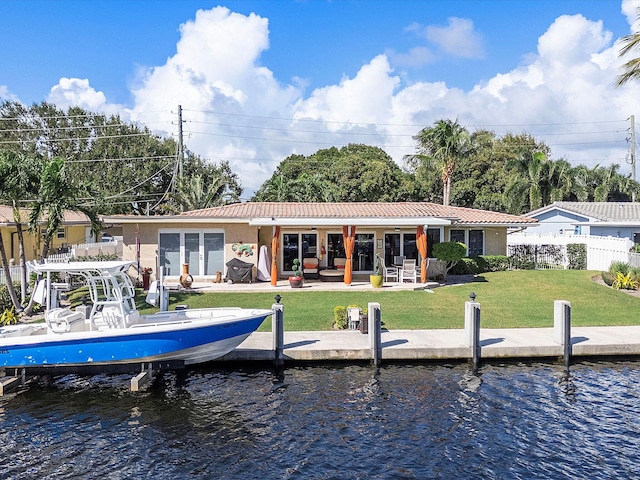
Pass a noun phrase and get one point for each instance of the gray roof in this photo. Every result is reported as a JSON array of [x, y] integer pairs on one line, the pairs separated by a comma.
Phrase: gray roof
[[602, 211]]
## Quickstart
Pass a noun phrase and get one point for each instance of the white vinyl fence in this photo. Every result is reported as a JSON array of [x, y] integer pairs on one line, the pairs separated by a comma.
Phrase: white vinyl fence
[[601, 251], [15, 274]]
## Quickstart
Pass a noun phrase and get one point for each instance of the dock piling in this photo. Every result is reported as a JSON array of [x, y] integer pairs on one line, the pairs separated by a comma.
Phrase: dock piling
[[375, 332], [277, 328], [472, 329], [11, 382], [562, 328], [143, 377]]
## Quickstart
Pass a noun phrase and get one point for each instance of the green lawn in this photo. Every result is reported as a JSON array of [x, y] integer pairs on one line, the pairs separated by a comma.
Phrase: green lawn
[[508, 300]]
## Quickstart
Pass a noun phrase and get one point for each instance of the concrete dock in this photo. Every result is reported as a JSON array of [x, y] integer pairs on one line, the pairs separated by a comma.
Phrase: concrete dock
[[419, 345]]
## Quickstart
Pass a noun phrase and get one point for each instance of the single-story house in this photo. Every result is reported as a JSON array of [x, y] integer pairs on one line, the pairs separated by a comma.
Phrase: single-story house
[[615, 219], [75, 228], [207, 239]]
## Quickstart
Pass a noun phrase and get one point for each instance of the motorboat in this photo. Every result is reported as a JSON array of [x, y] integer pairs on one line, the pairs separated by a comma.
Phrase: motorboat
[[110, 331]]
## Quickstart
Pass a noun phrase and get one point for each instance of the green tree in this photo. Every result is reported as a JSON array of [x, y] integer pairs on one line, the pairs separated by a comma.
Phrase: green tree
[[18, 184], [133, 169], [57, 194], [355, 173], [440, 147]]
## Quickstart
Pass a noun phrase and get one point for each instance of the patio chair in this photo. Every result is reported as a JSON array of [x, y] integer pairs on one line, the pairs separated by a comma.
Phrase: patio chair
[[389, 272], [398, 259], [339, 263], [409, 270], [310, 267]]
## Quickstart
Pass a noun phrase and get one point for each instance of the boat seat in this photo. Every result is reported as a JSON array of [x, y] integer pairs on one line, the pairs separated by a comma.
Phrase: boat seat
[[19, 330], [63, 320]]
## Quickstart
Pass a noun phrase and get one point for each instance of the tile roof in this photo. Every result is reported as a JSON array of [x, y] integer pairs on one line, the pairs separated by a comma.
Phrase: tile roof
[[602, 211], [302, 210], [6, 216]]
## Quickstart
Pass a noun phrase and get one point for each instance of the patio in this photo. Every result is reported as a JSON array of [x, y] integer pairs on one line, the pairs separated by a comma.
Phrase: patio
[[360, 282]]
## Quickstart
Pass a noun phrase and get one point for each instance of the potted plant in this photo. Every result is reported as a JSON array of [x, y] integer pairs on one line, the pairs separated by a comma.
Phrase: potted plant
[[146, 277], [297, 280], [377, 278]]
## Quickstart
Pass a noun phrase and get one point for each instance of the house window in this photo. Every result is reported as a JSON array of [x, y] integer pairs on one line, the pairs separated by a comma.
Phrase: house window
[[363, 252], [433, 237], [476, 243], [60, 233], [409, 248], [170, 253], [456, 236], [202, 250], [399, 244], [335, 248], [298, 245]]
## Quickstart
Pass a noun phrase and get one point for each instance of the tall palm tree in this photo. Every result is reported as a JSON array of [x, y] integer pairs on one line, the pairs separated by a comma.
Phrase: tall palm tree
[[58, 193], [440, 147], [529, 187], [18, 184], [631, 69]]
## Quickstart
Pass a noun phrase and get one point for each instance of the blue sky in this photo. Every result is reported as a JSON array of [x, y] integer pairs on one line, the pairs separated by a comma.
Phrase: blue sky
[[260, 80]]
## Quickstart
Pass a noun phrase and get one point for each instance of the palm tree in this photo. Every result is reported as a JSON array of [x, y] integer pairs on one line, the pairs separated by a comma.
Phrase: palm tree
[[57, 194], [631, 69], [440, 147], [18, 183], [195, 193]]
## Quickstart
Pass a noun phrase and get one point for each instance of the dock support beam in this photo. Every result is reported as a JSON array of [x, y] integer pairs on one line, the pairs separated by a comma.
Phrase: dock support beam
[[277, 329], [375, 332], [142, 378], [11, 382], [562, 328], [472, 329]]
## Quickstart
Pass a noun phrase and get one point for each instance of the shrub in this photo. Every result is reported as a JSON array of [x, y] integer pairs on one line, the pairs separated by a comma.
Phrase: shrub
[[449, 252], [8, 317], [619, 267], [624, 282], [5, 298], [340, 320], [608, 278], [522, 257], [577, 256], [481, 264], [495, 263]]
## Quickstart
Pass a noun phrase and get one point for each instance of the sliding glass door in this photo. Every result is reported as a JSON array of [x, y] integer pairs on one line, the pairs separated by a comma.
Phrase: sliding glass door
[[202, 250]]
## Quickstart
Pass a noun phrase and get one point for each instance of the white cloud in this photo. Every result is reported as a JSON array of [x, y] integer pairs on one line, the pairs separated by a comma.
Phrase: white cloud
[[77, 92], [416, 57], [630, 10], [458, 38], [6, 95]]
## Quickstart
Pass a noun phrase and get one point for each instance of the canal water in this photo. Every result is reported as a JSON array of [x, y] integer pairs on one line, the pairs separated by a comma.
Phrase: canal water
[[511, 421]]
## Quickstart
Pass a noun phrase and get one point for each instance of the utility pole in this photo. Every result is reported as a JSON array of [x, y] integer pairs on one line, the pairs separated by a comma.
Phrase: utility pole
[[633, 154], [181, 144]]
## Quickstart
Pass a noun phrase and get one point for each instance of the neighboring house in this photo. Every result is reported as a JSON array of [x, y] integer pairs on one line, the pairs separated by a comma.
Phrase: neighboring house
[[602, 219], [207, 239], [75, 228]]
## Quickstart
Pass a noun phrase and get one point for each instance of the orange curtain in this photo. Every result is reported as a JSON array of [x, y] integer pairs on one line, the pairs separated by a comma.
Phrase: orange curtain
[[274, 255], [349, 240], [421, 240]]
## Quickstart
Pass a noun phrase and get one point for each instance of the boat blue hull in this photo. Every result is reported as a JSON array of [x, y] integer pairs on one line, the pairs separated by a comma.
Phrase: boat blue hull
[[193, 344]]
